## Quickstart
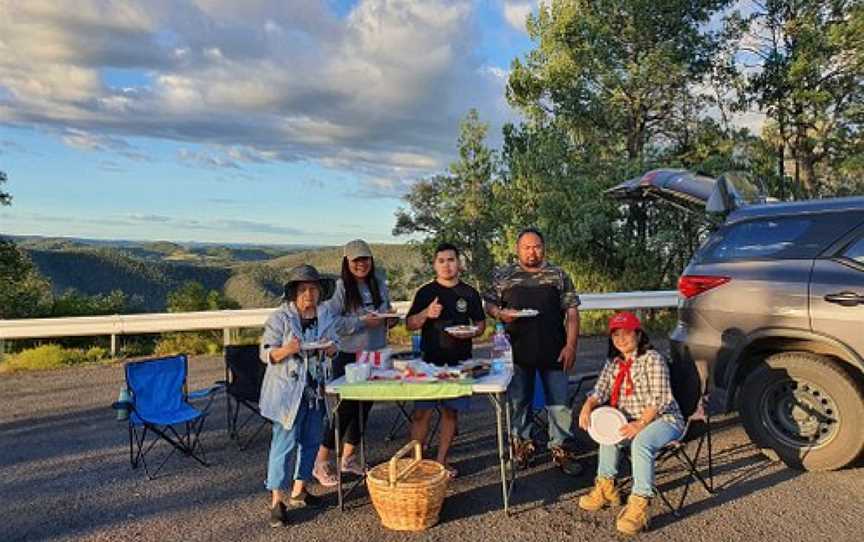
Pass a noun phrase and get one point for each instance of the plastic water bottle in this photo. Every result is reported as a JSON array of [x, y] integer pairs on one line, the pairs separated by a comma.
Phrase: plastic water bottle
[[122, 397], [501, 349]]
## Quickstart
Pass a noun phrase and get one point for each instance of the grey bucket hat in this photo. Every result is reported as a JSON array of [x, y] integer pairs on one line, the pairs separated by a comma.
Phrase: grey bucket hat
[[301, 273]]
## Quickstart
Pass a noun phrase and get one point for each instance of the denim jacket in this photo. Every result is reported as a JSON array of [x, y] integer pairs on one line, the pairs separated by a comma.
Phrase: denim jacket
[[285, 382]]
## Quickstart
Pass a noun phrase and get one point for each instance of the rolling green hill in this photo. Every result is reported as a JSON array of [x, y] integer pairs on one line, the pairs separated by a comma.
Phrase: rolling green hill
[[100, 271], [148, 272], [260, 284]]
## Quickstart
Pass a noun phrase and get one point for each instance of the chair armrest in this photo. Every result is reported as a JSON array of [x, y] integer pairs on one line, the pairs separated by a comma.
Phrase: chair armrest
[[206, 392]]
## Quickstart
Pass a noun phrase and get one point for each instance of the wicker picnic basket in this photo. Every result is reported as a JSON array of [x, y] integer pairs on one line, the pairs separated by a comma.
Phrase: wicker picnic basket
[[408, 493]]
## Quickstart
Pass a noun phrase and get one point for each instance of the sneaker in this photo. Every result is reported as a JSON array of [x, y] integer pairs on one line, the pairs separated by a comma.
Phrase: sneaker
[[305, 500], [278, 516], [566, 461], [351, 465], [325, 473]]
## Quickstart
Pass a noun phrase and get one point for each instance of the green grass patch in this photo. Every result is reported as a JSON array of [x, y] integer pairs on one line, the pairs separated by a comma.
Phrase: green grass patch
[[51, 356]]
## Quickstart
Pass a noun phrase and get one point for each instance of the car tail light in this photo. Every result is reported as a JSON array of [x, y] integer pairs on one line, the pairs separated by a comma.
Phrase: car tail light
[[693, 285]]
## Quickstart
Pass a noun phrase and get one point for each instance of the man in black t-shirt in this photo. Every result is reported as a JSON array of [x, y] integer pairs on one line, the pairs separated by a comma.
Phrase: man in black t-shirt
[[444, 302]]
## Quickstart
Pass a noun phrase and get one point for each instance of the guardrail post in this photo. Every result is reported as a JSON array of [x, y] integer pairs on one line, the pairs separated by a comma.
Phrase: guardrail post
[[113, 345], [226, 336], [2, 348]]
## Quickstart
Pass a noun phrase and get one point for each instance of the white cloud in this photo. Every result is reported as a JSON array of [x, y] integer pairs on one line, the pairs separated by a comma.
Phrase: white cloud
[[379, 91], [516, 13]]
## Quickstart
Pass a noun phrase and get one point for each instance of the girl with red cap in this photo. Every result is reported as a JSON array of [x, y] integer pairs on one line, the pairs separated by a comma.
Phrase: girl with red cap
[[635, 380]]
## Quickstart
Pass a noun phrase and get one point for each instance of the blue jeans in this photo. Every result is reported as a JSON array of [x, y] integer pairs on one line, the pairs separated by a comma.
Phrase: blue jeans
[[304, 438], [557, 407], [643, 450]]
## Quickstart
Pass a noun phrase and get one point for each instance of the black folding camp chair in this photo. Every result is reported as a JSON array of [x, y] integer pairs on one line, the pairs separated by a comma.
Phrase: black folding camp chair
[[690, 394], [159, 408], [244, 374]]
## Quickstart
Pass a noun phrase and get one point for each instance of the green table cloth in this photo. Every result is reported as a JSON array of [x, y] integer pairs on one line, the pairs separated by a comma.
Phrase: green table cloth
[[402, 391]]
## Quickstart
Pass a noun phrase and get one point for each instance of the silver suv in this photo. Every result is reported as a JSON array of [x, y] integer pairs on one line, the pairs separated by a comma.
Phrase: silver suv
[[772, 309]]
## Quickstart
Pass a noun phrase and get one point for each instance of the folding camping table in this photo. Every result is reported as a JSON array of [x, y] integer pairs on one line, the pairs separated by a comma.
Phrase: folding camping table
[[493, 386]]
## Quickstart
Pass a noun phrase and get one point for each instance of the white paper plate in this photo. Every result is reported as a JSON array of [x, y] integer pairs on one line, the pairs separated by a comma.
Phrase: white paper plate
[[461, 331], [317, 345], [605, 423], [526, 313], [387, 315]]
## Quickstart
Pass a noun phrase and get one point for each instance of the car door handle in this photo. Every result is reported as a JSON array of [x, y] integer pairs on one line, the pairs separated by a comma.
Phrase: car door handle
[[847, 299]]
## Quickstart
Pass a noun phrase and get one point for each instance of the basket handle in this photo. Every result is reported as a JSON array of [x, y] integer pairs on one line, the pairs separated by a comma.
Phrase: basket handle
[[393, 475]]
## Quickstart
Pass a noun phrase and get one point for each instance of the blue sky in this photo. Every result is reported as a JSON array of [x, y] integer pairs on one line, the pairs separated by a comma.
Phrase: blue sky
[[264, 121]]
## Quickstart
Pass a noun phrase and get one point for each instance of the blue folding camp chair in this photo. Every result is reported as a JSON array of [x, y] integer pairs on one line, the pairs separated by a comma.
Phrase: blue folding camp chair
[[158, 405]]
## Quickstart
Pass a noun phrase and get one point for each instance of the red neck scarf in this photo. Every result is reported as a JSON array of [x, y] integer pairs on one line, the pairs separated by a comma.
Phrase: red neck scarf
[[623, 372]]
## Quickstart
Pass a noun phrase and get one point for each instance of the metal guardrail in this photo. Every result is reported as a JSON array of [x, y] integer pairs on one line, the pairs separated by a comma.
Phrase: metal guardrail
[[136, 324]]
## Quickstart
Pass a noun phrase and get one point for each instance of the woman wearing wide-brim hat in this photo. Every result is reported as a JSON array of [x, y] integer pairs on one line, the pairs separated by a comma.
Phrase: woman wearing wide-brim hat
[[636, 381], [292, 394]]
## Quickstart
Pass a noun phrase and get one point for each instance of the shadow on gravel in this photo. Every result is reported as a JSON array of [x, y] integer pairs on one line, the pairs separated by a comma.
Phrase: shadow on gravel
[[743, 469]]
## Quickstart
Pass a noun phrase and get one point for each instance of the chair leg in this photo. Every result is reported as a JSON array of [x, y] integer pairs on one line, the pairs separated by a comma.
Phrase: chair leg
[[232, 409], [676, 511], [399, 420], [688, 463], [710, 485], [435, 428], [246, 443], [132, 459]]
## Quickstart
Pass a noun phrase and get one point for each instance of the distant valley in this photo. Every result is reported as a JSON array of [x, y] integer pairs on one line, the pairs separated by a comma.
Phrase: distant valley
[[249, 274]]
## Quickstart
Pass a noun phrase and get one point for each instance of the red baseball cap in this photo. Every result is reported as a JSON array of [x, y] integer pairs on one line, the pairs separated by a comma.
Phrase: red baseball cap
[[624, 320]]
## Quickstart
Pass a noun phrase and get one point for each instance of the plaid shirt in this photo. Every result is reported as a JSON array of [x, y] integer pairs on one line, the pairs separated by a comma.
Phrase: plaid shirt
[[651, 388]]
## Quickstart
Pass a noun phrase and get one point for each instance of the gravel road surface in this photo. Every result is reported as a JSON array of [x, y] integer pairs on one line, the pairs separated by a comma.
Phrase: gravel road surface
[[66, 475]]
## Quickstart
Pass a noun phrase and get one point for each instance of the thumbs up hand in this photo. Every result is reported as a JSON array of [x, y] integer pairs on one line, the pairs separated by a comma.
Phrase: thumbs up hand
[[434, 309]]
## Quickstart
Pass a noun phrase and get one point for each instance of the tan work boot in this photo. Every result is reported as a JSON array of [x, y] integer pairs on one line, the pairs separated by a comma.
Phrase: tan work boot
[[604, 494], [635, 517]]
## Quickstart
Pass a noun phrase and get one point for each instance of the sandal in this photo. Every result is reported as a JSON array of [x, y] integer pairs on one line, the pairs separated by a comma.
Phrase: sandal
[[325, 473], [351, 465]]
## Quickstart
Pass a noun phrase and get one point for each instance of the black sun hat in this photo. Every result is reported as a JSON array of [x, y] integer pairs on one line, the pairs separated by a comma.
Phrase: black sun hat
[[301, 273]]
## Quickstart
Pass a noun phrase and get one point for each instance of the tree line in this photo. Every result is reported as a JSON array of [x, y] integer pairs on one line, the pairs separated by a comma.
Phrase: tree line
[[614, 88]]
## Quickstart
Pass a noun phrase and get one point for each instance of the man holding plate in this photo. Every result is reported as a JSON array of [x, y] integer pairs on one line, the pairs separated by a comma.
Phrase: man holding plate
[[450, 314], [539, 307]]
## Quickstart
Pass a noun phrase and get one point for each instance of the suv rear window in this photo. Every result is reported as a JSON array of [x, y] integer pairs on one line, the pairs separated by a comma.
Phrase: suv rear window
[[791, 237]]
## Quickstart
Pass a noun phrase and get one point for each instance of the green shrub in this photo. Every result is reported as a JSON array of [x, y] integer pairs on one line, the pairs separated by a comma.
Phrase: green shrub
[[187, 343], [96, 353], [49, 356]]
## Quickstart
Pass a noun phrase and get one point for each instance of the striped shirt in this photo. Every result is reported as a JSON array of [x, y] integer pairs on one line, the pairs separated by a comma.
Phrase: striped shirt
[[651, 388]]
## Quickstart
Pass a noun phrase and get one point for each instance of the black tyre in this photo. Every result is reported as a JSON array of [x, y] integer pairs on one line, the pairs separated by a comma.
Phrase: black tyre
[[806, 408]]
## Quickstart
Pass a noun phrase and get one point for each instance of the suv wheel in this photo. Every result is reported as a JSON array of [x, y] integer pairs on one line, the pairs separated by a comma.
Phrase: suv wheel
[[806, 408]]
